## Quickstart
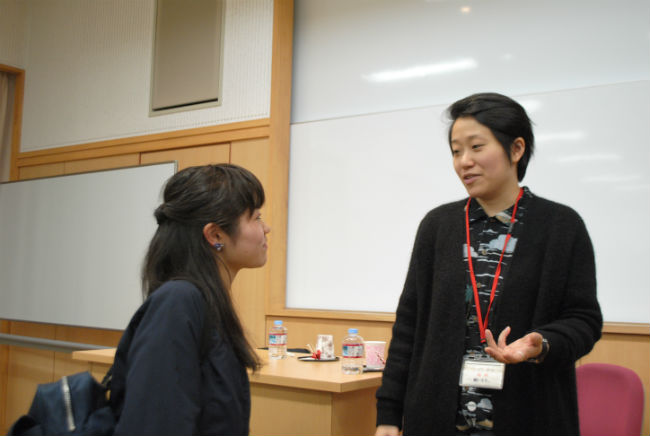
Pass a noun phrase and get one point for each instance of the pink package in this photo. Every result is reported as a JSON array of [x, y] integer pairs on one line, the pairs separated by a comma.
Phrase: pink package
[[375, 354]]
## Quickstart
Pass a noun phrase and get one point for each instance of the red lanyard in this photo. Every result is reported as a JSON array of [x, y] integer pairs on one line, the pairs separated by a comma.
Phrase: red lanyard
[[483, 325]]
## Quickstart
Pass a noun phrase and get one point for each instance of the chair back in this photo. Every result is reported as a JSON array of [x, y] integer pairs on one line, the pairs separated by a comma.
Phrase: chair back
[[610, 400]]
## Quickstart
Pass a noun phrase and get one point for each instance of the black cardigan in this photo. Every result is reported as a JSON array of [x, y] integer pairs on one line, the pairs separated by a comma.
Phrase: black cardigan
[[550, 288]]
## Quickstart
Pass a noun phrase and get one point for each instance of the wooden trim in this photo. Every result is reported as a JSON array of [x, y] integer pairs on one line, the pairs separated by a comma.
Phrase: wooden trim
[[9, 69], [146, 143], [333, 314], [281, 70], [106, 355], [608, 327], [242, 125], [17, 116], [627, 328]]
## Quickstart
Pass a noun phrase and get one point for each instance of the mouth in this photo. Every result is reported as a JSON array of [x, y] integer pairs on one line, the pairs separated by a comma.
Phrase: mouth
[[468, 179]]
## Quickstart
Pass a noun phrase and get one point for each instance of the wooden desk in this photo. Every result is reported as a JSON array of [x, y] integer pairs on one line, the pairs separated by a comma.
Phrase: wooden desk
[[292, 397]]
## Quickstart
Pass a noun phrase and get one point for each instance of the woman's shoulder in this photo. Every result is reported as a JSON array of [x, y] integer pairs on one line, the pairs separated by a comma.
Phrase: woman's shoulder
[[177, 289], [177, 295], [444, 211], [441, 219], [549, 209]]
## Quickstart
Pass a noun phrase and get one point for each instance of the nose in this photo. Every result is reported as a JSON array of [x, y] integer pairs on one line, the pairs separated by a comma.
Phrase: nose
[[465, 159], [267, 228]]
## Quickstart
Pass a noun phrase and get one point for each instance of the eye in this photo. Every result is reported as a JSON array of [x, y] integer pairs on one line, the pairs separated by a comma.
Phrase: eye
[[477, 146], [455, 152]]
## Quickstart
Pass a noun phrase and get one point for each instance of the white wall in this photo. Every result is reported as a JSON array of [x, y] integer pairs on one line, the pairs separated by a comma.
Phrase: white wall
[[88, 70]]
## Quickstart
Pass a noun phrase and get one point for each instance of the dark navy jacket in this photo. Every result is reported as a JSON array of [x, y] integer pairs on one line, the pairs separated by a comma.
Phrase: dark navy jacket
[[167, 381]]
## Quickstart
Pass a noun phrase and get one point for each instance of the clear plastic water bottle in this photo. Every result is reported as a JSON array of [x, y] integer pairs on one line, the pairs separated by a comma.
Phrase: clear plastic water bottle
[[353, 353], [278, 341]]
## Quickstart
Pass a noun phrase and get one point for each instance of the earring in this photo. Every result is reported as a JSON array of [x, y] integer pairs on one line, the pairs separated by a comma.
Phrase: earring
[[218, 246]]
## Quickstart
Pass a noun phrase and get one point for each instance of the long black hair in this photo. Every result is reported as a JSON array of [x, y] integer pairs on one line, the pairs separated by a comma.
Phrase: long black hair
[[178, 250], [506, 118]]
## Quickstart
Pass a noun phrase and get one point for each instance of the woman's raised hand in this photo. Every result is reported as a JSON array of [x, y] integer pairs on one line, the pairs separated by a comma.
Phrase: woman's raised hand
[[387, 430], [527, 347]]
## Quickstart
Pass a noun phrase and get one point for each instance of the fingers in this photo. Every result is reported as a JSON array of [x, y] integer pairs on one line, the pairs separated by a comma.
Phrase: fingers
[[534, 342], [490, 339], [502, 337], [495, 354], [535, 339], [387, 430], [499, 352], [492, 349]]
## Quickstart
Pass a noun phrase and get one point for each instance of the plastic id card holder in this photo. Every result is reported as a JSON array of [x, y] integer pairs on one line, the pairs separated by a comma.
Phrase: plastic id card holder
[[482, 372]]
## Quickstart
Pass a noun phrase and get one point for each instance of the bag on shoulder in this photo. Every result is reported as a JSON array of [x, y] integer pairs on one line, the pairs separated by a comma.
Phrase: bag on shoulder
[[74, 405]]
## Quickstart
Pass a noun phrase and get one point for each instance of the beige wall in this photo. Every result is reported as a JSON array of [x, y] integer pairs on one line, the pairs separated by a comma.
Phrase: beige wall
[[92, 82]]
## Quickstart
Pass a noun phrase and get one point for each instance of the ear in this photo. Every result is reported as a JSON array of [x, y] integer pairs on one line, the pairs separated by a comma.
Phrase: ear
[[213, 233], [517, 149]]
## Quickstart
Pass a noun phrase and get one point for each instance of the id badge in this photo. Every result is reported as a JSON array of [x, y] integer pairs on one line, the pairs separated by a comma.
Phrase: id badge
[[482, 372]]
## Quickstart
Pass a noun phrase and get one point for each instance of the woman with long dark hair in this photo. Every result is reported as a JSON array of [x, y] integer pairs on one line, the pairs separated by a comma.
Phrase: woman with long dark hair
[[180, 367], [500, 297]]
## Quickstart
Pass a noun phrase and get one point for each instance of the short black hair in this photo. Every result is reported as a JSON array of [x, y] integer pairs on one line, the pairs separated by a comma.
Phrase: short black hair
[[506, 119]]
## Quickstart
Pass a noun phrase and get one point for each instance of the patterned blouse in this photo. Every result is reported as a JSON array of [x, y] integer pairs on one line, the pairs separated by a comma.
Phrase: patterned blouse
[[487, 236]]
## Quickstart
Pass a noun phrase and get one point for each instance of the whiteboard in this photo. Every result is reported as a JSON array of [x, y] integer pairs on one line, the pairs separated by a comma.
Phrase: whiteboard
[[364, 173], [367, 56], [71, 247]]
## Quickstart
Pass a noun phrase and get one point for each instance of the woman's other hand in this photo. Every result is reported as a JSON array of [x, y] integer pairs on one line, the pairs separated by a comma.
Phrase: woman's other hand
[[387, 430], [527, 347]]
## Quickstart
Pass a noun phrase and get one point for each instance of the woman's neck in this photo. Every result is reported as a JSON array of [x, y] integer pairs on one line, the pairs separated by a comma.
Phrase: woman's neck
[[227, 275], [503, 201]]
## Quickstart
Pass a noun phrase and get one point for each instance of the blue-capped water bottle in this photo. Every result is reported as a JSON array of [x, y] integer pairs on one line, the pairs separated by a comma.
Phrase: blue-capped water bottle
[[353, 353], [278, 341]]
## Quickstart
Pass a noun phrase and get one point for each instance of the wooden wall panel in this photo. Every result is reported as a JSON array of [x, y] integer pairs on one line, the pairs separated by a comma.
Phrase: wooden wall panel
[[279, 139], [101, 163], [63, 363], [27, 367], [99, 370], [45, 170], [355, 410], [248, 298], [312, 418], [190, 156], [176, 139], [250, 285]]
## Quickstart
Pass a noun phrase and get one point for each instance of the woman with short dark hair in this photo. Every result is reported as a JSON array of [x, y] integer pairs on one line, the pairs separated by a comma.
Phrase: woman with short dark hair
[[180, 367], [504, 261]]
